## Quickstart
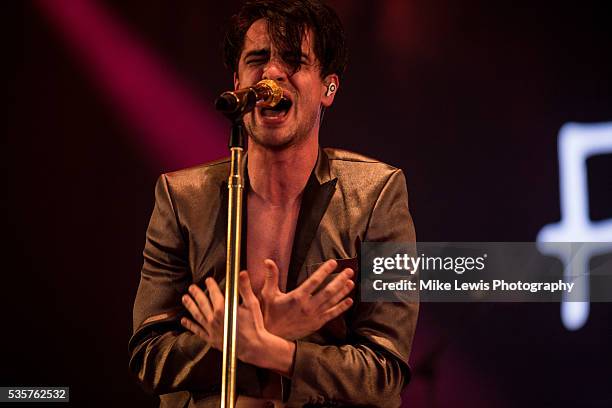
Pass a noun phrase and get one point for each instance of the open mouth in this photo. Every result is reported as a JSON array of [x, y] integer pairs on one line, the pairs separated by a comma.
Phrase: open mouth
[[278, 111]]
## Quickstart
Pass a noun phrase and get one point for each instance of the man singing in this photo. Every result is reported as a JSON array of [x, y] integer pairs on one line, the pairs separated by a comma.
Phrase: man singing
[[304, 336]]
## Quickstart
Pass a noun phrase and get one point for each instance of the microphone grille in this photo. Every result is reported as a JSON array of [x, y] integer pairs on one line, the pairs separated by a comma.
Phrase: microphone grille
[[273, 92]]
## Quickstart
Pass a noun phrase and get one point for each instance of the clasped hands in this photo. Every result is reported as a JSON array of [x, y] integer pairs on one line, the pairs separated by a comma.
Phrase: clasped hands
[[267, 326]]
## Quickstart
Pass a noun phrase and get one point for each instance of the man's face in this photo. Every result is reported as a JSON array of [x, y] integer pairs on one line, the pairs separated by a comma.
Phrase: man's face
[[305, 89]]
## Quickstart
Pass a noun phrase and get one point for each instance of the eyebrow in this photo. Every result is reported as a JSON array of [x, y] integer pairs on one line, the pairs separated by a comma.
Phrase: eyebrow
[[263, 52]]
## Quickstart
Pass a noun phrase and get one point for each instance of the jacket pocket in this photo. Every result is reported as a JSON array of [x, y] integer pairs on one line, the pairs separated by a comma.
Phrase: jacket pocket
[[335, 331], [344, 263]]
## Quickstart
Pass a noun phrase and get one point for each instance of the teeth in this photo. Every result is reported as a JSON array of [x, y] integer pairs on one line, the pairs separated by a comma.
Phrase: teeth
[[272, 113], [279, 110]]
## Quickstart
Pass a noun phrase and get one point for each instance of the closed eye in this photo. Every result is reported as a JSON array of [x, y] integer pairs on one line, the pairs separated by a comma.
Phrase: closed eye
[[257, 57], [257, 61]]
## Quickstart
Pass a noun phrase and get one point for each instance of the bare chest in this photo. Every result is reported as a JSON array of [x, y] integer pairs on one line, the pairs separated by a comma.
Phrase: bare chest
[[270, 234]]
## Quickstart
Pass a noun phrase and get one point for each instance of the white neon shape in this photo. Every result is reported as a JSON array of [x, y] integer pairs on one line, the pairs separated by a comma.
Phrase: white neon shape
[[577, 142]]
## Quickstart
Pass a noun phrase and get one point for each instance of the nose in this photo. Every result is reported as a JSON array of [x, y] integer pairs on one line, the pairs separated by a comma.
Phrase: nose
[[275, 69]]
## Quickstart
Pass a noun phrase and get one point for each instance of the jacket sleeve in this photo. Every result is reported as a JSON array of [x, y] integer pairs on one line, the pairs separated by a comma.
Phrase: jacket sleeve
[[163, 355], [372, 368]]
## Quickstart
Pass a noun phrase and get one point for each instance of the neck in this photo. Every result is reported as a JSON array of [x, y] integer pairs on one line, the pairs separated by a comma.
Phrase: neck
[[279, 177]]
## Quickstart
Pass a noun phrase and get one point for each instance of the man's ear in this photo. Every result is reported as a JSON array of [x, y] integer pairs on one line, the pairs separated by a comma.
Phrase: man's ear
[[330, 86], [236, 82]]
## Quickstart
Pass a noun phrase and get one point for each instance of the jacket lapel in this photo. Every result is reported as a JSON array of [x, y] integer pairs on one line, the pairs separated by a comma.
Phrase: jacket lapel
[[316, 197]]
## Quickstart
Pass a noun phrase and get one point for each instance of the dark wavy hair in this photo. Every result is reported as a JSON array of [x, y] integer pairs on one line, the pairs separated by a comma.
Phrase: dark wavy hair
[[288, 21]]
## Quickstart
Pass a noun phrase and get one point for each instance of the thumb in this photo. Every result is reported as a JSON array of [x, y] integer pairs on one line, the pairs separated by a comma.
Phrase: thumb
[[272, 273]]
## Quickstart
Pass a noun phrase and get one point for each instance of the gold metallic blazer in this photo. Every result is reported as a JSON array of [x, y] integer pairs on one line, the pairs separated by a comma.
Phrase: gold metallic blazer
[[357, 359]]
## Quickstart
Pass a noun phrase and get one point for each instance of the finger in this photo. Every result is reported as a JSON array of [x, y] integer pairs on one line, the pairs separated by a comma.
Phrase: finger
[[202, 301], [311, 284], [194, 328], [337, 289], [193, 309], [337, 310], [271, 279], [217, 299], [246, 291]]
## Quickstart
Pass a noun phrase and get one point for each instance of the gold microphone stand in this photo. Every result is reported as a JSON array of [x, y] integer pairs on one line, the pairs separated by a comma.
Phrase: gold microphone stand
[[232, 266], [235, 105]]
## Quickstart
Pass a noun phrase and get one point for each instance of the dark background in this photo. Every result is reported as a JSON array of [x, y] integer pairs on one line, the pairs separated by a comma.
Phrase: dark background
[[483, 89]]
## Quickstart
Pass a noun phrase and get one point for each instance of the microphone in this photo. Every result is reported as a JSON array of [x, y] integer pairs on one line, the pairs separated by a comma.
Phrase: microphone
[[243, 100]]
